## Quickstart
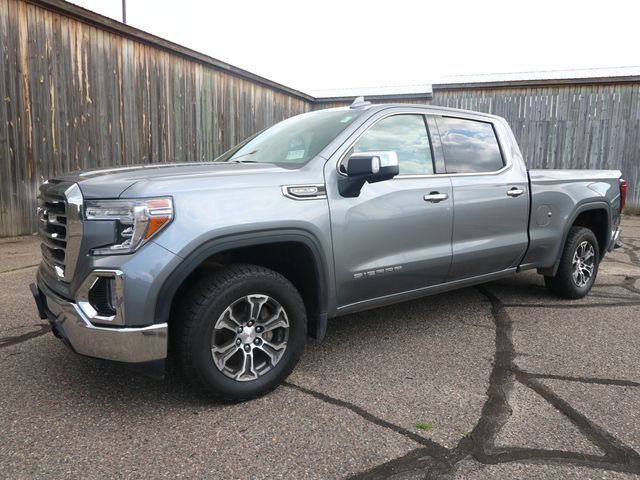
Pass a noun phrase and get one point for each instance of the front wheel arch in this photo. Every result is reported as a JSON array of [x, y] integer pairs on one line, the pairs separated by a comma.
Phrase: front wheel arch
[[317, 316]]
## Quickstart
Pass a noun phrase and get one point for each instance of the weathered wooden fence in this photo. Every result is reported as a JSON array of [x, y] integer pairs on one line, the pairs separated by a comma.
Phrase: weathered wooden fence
[[590, 125], [78, 90]]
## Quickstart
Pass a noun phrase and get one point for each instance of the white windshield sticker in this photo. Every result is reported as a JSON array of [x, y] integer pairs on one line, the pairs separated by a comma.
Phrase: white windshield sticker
[[295, 154]]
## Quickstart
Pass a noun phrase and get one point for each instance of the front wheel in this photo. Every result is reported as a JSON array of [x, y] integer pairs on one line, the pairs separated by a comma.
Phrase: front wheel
[[578, 265], [240, 332]]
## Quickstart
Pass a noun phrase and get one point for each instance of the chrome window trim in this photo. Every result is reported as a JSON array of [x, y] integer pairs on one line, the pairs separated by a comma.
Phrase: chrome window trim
[[443, 175], [506, 157]]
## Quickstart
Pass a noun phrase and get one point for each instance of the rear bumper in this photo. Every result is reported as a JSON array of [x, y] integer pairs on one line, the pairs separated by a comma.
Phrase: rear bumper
[[126, 344]]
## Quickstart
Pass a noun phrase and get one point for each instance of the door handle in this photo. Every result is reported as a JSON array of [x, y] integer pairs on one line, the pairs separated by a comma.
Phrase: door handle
[[435, 197], [515, 192]]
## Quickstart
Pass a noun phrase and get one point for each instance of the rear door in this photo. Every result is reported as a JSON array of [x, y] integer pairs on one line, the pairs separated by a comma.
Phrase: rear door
[[491, 198]]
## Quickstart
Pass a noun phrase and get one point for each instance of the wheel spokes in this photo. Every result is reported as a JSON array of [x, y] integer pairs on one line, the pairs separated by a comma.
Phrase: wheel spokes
[[250, 337], [247, 371], [272, 350], [227, 321], [575, 274], [583, 264], [275, 321], [256, 302], [222, 354]]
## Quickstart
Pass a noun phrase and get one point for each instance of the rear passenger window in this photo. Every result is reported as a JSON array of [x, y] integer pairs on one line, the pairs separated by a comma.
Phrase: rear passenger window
[[407, 136], [469, 146]]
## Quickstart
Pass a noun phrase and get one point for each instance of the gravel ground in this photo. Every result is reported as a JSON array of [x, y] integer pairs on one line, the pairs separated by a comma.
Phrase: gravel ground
[[505, 381]]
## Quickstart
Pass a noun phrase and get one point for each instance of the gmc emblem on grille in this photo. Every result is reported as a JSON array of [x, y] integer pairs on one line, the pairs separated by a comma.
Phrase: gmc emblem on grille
[[43, 215]]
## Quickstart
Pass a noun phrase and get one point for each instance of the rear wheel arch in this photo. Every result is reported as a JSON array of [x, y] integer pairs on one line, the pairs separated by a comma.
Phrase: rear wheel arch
[[596, 216], [264, 249], [597, 220]]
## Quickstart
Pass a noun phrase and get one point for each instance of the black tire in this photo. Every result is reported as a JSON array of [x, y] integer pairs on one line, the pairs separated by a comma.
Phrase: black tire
[[563, 283], [204, 305]]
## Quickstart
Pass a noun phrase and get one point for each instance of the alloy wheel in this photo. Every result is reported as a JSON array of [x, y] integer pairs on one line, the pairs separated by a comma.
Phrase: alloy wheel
[[250, 337], [583, 264]]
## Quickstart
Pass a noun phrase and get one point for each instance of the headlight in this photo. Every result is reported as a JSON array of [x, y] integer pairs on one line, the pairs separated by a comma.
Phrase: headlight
[[136, 221]]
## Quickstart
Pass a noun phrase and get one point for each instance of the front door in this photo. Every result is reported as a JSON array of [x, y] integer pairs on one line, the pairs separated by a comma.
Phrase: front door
[[396, 235]]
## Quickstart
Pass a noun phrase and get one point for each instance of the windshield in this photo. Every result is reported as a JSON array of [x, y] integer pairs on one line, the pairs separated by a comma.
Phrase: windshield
[[292, 142]]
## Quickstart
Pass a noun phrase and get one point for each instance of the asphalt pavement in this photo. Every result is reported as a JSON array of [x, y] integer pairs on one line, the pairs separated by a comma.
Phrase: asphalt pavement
[[497, 381]]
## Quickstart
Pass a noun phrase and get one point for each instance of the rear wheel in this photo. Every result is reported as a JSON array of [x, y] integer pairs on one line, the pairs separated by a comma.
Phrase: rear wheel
[[240, 332], [578, 265]]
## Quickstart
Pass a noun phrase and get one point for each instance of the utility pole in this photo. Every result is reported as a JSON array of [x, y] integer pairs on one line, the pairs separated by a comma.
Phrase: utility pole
[[124, 11]]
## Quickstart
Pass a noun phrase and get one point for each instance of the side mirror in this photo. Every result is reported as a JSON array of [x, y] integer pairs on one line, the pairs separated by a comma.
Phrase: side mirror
[[364, 167]]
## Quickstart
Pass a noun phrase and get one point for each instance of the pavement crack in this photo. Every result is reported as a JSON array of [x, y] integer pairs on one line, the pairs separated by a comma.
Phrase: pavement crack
[[432, 448], [615, 451], [594, 380], [480, 443], [561, 457], [572, 306], [496, 410], [14, 340]]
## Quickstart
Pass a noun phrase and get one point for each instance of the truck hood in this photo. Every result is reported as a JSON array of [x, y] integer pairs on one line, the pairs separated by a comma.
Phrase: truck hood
[[114, 182]]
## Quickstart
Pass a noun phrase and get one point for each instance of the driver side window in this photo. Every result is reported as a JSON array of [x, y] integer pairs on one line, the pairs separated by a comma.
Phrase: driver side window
[[407, 136]]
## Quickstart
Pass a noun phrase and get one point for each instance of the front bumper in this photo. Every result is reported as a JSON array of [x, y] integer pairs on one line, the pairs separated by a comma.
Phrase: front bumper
[[126, 344]]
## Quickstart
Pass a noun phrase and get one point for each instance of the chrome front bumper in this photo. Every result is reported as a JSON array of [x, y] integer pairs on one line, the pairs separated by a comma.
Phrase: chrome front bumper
[[121, 344]]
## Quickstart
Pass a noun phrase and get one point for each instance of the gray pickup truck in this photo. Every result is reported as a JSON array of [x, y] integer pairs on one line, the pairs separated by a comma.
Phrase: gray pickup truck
[[228, 266]]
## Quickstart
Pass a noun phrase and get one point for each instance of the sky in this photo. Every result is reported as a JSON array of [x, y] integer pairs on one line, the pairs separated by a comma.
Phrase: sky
[[345, 44]]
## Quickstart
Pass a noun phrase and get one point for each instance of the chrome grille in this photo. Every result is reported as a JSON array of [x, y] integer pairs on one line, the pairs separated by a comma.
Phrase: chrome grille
[[60, 226], [52, 225]]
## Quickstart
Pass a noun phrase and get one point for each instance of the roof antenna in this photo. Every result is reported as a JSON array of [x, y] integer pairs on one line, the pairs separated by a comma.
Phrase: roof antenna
[[359, 103]]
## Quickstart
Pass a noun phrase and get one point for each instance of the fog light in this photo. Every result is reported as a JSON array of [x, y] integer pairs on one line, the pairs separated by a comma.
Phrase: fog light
[[101, 297]]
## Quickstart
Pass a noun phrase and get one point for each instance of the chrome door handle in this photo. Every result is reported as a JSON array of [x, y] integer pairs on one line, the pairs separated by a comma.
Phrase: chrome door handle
[[515, 192], [435, 197]]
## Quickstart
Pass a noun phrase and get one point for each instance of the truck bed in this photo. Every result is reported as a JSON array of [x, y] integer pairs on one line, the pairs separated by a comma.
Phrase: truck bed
[[556, 200]]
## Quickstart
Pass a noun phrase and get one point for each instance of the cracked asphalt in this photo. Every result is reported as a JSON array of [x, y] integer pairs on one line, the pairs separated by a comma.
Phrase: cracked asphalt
[[505, 380]]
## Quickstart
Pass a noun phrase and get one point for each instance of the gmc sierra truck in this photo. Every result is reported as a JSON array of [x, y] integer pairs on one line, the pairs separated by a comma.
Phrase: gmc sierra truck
[[228, 266]]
